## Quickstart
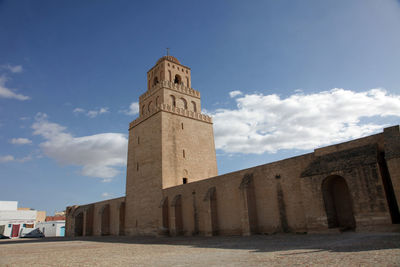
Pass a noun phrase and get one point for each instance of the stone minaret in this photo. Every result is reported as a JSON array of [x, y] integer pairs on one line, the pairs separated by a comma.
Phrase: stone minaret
[[170, 144]]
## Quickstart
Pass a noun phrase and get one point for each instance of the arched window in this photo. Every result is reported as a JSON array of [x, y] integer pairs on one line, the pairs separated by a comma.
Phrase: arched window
[[155, 81], [173, 102], [170, 76], [178, 79], [150, 106], [194, 106], [187, 81], [184, 103]]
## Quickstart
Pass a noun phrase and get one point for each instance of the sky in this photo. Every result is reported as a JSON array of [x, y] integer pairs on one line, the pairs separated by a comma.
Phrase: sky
[[279, 78]]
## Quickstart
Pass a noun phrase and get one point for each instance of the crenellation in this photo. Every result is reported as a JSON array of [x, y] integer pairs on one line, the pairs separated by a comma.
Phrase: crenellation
[[168, 108]]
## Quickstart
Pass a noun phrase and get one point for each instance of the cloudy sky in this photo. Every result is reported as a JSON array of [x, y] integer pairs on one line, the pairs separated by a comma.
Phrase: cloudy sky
[[280, 78]]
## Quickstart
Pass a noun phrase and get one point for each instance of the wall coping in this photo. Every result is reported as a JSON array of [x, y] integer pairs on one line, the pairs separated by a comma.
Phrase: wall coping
[[174, 110]]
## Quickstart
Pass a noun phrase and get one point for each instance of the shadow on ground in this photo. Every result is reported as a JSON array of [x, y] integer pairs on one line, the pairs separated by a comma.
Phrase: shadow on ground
[[345, 242]]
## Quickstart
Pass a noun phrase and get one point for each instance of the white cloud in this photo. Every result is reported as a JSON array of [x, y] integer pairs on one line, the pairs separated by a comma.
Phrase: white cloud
[[7, 92], [9, 158], [6, 158], [91, 113], [133, 109], [267, 123], [105, 195], [20, 141], [78, 110], [99, 155], [13, 69], [235, 93]]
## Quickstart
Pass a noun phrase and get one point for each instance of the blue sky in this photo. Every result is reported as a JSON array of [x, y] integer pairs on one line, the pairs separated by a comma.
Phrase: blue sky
[[279, 77]]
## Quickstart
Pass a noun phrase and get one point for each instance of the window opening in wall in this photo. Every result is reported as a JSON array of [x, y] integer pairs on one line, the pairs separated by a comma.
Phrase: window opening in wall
[[187, 81], [183, 152], [155, 80], [170, 75], [184, 180], [138, 140], [194, 106], [173, 102], [182, 125], [178, 79]]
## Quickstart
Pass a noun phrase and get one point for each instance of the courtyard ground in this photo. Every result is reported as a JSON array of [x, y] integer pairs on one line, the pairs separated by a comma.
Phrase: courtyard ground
[[346, 249]]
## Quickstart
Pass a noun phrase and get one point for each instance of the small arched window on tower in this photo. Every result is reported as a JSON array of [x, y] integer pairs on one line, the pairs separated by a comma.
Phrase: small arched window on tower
[[173, 102], [184, 103], [178, 79], [150, 106], [169, 75], [187, 81], [194, 106], [155, 80]]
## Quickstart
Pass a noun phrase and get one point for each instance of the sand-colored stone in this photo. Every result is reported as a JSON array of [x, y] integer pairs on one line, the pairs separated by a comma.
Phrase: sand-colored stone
[[354, 185]]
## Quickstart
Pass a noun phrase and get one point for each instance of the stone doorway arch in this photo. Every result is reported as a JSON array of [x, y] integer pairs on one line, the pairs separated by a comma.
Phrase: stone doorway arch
[[105, 220], [338, 203], [79, 224], [122, 218]]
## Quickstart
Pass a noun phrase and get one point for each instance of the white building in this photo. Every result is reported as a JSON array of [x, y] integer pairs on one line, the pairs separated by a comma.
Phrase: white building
[[14, 222], [52, 228]]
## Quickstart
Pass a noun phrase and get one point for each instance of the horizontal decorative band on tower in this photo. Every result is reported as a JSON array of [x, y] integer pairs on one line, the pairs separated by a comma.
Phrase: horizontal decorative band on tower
[[168, 108], [173, 86]]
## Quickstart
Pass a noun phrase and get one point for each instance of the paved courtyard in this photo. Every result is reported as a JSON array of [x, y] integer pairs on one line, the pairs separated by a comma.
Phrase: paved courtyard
[[347, 249]]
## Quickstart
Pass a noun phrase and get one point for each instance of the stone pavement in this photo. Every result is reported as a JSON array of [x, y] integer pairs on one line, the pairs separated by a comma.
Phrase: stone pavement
[[346, 249]]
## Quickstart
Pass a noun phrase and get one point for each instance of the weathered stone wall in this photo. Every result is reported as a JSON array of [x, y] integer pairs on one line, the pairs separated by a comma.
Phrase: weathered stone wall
[[143, 180], [92, 218], [263, 199]]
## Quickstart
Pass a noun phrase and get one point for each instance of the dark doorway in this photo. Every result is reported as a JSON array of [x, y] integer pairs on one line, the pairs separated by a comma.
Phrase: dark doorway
[[89, 221], [338, 203], [178, 215], [79, 224], [105, 220], [122, 219], [214, 212], [165, 216]]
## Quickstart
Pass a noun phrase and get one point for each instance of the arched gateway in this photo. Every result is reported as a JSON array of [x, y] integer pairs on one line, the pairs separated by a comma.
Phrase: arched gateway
[[338, 203]]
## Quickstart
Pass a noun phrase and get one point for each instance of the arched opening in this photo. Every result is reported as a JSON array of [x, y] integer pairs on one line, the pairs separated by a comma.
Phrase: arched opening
[[178, 79], [338, 203], [155, 81], [143, 109], [89, 221], [170, 76], [122, 219], [184, 103], [194, 106], [173, 101], [150, 106], [79, 224], [165, 216], [177, 204], [187, 82], [105, 220]]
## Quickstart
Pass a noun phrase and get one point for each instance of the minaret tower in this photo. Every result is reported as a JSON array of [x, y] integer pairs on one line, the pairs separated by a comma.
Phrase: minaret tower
[[170, 144]]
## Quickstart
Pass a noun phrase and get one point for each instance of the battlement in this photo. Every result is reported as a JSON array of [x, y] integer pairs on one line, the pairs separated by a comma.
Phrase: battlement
[[168, 108], [173, 86]]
